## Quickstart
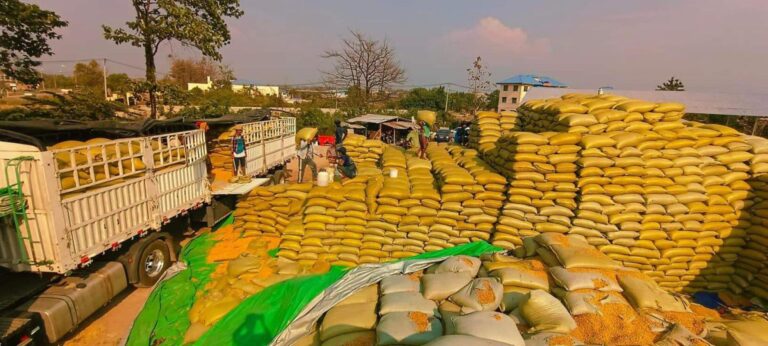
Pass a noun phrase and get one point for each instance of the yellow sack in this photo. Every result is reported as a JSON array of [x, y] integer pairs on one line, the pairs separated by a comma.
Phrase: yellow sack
[[307, 134], [428, 117]]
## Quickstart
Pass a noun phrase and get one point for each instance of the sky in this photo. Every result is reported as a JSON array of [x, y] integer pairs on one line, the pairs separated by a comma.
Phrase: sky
[[711, 45]]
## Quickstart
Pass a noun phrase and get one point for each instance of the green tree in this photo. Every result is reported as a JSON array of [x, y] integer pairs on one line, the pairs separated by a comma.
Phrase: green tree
[[184, 71], [89, 76], [673, 84], [58, 81], [198, 24], [119, 83], [492, 100], [24, 33], [75, 105]]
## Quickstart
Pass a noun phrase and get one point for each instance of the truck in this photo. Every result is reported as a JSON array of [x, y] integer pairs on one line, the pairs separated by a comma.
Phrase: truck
[[81, 221]]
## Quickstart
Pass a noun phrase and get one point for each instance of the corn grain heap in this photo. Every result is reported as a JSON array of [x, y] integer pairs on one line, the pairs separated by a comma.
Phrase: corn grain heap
[[457, 221], [484, 131], [269, 209], [492, 194], [751, 267], [542, 177]]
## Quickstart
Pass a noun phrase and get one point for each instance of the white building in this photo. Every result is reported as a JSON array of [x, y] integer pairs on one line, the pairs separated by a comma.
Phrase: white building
[[240, 85]]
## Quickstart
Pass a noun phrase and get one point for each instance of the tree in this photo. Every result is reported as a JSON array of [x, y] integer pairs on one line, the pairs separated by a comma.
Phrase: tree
[[119, 83], [89, 76], [198, 24], [366, 64], [479, 83], [24, 33], [184, 71], [75, 105], [673, 84], [492, 100]]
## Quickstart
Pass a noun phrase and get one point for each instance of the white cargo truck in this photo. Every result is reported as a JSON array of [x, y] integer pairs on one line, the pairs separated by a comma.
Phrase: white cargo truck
[[81, 223]]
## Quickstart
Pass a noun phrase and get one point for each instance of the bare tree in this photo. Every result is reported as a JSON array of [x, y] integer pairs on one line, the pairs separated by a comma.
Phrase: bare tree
[[479, 84], [366, 64]]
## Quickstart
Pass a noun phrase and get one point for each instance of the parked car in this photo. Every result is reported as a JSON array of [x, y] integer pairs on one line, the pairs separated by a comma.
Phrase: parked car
[[443, 135]]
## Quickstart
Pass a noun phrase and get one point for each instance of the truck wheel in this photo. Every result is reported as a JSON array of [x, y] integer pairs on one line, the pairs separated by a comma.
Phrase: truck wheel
[[154, 260]]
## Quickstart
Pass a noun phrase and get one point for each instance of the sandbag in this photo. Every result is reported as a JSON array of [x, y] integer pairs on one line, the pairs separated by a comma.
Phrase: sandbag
[[408, 328], [490, 325], [545, 313]]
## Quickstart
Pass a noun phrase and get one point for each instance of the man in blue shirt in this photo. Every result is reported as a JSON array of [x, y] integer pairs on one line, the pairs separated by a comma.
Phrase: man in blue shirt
[[238, 150], [341, 133], [346, 165]]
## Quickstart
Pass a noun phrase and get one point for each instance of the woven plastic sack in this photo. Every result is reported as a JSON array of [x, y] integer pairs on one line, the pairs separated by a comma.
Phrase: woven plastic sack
[[513, 297], [463, 340], [490, 325], [443, 285], [349, 318], [399, 283], [407, 301], [407, 328], [428, 117], [583, 279], [646, 293], [457, 264], [522, 278], [306, 134], [479, 295], [545, 313]]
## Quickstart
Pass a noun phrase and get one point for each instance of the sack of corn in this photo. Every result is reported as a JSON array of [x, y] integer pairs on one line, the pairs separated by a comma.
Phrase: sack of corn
[[270, 209], [306, 134], [82, 165], [484, 131], [362, 151]]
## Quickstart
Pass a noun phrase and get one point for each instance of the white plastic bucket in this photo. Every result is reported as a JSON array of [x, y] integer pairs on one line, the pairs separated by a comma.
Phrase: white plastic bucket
[[322, 178]]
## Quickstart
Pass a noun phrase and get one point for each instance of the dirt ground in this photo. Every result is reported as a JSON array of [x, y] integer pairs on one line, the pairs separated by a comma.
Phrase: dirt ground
[[321, 162], [111, 324]]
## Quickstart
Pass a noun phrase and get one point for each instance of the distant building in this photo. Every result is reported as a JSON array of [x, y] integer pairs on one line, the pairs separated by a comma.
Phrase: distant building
[[240, 85], [513, 89]]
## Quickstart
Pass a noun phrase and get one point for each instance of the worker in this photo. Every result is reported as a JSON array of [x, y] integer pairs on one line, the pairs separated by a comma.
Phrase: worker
[[341, 133], [346, 165], [238, 150], [458, 133], [306, 154], [423, 139]]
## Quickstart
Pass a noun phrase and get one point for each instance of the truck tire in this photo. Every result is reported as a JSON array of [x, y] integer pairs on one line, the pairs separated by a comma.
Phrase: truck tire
[[154, 260]]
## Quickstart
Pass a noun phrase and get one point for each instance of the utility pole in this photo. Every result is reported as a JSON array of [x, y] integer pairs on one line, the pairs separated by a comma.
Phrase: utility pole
[[447, 92], [104, 74]]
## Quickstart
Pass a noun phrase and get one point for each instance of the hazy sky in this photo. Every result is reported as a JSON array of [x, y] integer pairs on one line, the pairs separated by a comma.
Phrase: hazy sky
[[711, 45]]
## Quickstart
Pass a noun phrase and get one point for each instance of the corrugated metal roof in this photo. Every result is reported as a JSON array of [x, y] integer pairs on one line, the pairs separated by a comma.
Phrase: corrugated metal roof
[[400, 125], [746, 104], [534, 80], [374, 119]]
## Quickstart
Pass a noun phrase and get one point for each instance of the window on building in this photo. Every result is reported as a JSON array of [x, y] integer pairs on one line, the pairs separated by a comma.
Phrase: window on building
[[506, 87], [504, 99], [525, 88], [514, 100], [516, 88]]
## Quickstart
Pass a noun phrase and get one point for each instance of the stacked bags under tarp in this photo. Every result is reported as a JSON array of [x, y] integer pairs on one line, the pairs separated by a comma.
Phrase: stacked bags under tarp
[[542, 178], [751, 268], [458, 190], [269, 209], [492, 195]]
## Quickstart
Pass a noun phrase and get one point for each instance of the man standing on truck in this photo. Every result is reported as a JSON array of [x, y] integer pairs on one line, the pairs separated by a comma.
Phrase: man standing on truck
[[238, 150], [306, 155]]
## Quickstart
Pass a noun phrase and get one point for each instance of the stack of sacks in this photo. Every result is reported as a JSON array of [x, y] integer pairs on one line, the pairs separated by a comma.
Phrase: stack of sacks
[[508, 122], [220, 151], [723, 234], [542, 176], [611, 209], [378, 233], [335, 219], [458, 189], [485, 130], [268, 210], [492, 194], [394, 203], [751, 267], [518, 276], [350, 322], [407, 317], [422, 216], [103, 154], [363, 150]]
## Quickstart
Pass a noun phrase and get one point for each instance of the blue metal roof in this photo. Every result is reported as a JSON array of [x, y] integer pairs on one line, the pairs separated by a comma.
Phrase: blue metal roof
[[534, 80]]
